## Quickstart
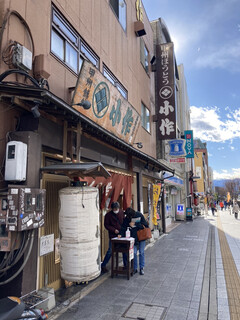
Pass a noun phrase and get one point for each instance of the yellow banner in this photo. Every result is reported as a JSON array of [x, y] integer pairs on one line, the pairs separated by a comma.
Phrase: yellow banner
[[156, 194]]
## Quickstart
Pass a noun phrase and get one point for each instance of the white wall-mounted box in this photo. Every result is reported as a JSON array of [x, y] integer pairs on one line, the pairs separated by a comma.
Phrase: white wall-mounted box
[[16, 161]]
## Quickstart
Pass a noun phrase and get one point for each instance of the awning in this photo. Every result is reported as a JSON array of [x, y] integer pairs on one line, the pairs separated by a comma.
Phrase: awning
[[72, 170], [53, 105]]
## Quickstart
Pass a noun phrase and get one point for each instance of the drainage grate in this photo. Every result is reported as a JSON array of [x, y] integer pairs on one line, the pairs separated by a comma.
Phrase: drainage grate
[[141, 311]]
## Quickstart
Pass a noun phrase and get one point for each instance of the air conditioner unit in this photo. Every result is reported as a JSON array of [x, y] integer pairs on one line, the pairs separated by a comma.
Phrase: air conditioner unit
[[16, 161], [22, 58]]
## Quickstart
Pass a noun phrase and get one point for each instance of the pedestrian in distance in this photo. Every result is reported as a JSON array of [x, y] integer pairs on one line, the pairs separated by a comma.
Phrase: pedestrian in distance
[[112, 222], [135, 221], [212, 206], [235, 209], [225, 204], [221, 205]]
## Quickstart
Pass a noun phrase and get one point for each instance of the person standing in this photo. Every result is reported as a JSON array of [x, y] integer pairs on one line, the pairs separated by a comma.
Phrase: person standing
[[225, 204], [135, 221], [235, 209], [221, 205], [112, 222], [212, 206]]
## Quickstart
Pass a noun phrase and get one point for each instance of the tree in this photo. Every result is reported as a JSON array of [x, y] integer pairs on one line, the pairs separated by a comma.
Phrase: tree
[[233, 186], [220, 193]]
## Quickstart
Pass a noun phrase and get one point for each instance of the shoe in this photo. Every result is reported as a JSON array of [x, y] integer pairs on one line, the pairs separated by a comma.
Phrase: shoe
[[141, 272], [135, 271], [104, 269]]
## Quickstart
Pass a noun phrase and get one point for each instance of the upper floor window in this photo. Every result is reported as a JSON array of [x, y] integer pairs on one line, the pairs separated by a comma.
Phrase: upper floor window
[[120, 9], [145, 117], [108, 74], [68, 46], [144, 55]]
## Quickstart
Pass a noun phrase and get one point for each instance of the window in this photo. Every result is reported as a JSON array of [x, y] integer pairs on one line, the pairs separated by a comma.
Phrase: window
[[108, 74], [144, 55], [119, 7], [145, 118], [68, 46]]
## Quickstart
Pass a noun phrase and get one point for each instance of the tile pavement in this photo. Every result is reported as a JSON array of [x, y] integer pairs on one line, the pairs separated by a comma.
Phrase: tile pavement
[[172, 282], [173, 279]]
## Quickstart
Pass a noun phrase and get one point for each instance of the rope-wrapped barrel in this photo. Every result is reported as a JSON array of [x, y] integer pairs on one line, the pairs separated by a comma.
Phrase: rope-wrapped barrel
[[79, 233]]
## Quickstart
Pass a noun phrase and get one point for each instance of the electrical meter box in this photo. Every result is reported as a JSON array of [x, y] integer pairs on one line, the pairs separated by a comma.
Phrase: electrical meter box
[[25, 208], [22, 57], [16, 161]]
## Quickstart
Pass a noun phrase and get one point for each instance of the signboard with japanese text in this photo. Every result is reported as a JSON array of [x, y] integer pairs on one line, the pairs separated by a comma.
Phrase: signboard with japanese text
[[108, 107], [166, 91], [198, 171], [177, 160], [176, 147], [156, 195], [189, 147], [180, 211], [175, 150], [46, 244], [168, 210], [174, 181]]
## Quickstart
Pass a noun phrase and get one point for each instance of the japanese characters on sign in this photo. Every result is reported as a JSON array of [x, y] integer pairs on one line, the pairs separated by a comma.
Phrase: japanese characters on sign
[[189, 147], [166, 91], [108, 108], [177, 160]]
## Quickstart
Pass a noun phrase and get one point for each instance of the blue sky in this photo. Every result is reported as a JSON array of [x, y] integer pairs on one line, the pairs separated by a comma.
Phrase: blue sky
[[206, 36]]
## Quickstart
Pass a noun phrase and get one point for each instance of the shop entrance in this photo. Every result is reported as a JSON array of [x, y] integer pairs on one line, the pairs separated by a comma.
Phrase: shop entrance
[[49, 264]]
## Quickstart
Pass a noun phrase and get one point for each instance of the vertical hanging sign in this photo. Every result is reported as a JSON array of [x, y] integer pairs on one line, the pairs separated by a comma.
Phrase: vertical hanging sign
[[166, 91], [189, 147]]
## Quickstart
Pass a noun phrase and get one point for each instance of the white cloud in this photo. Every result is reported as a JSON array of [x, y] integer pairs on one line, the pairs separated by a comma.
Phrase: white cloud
[[232, 148], [226, 174], [208, 126], [220, 148], [210, 154], [225, 57]]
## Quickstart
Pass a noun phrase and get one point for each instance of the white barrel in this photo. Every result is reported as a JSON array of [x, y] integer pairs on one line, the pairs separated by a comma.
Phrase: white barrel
[[79, 233]]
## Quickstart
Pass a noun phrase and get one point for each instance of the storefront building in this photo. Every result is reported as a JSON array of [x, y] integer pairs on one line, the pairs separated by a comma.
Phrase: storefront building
[[76, 86]]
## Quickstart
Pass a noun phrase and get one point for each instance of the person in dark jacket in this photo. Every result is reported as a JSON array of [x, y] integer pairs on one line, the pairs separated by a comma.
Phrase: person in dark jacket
[[135, 221], [112, 222]]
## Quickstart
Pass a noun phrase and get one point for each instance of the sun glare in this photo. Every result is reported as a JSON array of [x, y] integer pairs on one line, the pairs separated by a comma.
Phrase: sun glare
[[176, 44]]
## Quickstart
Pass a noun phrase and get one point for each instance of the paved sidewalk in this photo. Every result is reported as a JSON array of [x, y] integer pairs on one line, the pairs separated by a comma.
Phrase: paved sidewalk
[[231, 227], [170, 289], [227, 264], [229, 235]]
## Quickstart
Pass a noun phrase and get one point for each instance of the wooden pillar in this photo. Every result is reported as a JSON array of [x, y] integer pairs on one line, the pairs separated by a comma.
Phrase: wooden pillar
[[78, 146], [65, 134], [139, 192]]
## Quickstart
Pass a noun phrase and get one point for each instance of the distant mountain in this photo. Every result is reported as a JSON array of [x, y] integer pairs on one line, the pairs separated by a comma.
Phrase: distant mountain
[[219, 183]]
